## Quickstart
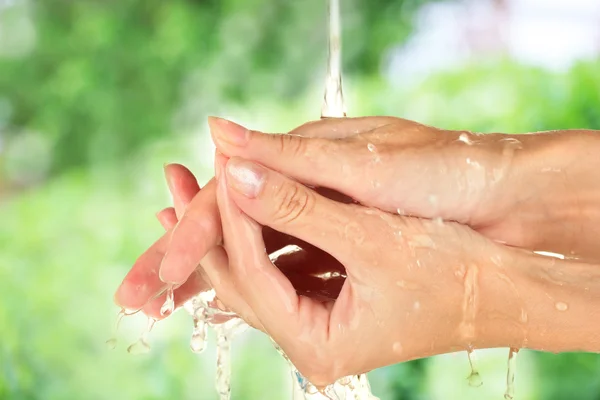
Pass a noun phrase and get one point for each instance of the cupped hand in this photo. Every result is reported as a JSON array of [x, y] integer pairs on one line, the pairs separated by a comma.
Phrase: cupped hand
[[414, 287]]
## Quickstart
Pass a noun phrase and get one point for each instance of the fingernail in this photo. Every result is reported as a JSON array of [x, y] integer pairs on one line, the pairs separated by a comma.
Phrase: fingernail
[[245, 177], [228, 131], [165, 277]]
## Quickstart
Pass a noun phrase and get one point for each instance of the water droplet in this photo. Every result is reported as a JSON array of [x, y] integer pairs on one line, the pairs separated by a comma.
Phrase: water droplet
[[408, 285], [465, 138], [550, 254], [169, 305], [470, 300], [474, 378], [523, 315], [550, 169], [198, 340], [560, 306], [423, 241], [141, 346], [112, 342], [400, 211], [371, 147], [497, 260], [438, 221], [510, 374]]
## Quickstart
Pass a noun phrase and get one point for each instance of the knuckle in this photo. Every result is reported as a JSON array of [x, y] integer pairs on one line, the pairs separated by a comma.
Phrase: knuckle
[[293, 202], [291, 145]]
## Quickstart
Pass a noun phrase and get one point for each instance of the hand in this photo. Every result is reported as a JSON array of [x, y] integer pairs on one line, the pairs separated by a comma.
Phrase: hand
[[199, 231], [531, 191], [414, 287], [143, 289]]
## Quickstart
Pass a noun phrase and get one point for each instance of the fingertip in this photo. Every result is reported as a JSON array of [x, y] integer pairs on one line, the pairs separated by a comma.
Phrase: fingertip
[[127, 296], [167, 218], [227, 133]]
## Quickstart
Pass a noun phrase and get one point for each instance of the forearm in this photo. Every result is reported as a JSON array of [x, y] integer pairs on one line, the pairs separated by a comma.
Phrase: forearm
[[540, 303], [573, 200], [553, 187]]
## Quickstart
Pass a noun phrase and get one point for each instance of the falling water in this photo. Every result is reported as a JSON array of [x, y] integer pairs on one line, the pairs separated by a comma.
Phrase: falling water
[[205, 313], [474, 377], [352, 387], [226, 325], [112, 342], [510, 375], [333, 100]]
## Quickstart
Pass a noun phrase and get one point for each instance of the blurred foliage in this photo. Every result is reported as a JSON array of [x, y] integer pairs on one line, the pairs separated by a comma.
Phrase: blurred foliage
[[109, 90], [111, 69]]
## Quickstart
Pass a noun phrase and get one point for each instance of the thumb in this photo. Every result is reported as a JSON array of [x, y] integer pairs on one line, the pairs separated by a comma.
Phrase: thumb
[[287, 206]]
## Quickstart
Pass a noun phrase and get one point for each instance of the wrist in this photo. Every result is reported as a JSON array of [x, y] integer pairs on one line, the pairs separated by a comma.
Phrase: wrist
[[544, 188], [539, 302], [558, 176]]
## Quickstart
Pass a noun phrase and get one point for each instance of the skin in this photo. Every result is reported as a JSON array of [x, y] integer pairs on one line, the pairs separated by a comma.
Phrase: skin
[[415, 287], [489, 189], [143, 289]]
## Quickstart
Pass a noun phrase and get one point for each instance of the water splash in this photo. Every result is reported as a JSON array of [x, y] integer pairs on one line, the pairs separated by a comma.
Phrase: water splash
[[510, 375], [169, 306], [226, 325], [199, 334]]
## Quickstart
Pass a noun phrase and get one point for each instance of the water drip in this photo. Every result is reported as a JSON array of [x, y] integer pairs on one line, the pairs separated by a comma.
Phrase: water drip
[[510, 375], [141, 346]]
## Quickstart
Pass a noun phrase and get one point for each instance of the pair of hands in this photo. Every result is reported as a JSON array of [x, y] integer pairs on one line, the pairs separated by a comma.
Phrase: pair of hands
[[415, 286]]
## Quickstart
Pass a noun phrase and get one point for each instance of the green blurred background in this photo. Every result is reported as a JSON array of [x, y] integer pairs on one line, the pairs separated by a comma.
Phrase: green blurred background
[[95, 95]]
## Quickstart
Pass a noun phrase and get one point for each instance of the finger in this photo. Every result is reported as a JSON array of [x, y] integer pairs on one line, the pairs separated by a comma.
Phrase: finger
[[198, 231], [183, 186], [290, 207], [263, 286], [345, 165], [142, 282], [167, 218]]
